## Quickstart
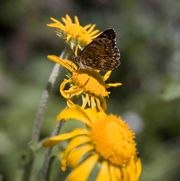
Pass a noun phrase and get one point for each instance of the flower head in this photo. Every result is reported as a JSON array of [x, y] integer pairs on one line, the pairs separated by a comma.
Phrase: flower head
[[106, 141], [75, 34], [86, 82]]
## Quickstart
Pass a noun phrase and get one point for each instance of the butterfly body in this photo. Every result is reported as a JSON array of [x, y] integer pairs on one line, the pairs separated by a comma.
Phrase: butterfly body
[[102, 53]]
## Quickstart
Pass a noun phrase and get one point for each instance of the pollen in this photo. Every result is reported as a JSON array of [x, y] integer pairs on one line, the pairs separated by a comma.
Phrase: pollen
[[113, 140]]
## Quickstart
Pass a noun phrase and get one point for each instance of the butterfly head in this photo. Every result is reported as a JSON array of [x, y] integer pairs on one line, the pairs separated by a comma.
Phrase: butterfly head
[[77, 60]]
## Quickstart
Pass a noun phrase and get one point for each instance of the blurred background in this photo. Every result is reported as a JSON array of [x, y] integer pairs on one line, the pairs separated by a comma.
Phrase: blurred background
[[148, 35]]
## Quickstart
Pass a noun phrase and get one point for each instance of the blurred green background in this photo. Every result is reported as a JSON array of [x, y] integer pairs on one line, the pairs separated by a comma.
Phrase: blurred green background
[[148, 35]]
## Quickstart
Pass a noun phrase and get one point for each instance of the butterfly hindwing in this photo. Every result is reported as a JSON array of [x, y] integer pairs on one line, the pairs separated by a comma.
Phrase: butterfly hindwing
[[102, 53]]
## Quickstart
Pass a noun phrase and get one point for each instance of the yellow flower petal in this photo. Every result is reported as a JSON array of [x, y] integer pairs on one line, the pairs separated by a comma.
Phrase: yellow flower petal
[[101, 103], [79, 140], [62, 87], [87, 26], [94, 114], [65, 21], [68, 19], [94, 33], [75, 90], [56, 24], [95, 36], [107, 75], [138, 167], [113, 85], [75, 142], [82, 172], [129, 172], [93, 104], [85, 101], [100, 115], [70, 103], [76, 20], [68, 37], [77, 154], [74, 113], [91, 28], [115, 173], [55, 20], [65, 63], [76, 51], [103, 174], [56, 139], [114, 176]]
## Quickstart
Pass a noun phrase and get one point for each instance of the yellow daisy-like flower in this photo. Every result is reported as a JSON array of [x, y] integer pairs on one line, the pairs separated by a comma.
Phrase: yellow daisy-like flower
[[75, 34], [85, 82], [106, 143]]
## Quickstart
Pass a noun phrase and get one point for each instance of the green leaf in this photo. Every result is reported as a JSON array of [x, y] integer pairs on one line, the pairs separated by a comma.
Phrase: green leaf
[[172, 91]]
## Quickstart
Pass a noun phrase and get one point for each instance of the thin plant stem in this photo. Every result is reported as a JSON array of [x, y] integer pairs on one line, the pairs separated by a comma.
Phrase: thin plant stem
[[44, 99], [44, 172], [30, 156], [1, 177]]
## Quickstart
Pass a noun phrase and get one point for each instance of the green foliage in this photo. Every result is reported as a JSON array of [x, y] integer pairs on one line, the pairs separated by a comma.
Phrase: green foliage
[[172, 91]]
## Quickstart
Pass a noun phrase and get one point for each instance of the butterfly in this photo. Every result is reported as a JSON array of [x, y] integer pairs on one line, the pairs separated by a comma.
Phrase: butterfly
[[102, 53]]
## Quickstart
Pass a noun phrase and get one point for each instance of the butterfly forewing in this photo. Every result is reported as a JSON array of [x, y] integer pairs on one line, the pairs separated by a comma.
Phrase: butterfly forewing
[[102, 53]]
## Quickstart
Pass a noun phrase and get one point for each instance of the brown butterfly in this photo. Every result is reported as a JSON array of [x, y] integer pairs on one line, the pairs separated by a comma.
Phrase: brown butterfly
[[102, 53]]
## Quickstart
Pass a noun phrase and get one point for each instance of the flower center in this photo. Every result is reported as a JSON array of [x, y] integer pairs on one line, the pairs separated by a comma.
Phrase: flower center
[[90, 81], [78, 33], [113, 140]]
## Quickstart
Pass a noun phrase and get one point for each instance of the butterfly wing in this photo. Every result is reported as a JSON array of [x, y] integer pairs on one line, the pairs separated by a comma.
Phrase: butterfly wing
[[102, 53]]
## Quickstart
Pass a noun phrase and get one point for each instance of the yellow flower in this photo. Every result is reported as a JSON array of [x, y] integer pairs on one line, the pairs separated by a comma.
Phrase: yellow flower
[[75, 34], [88, 83], [106, 142]]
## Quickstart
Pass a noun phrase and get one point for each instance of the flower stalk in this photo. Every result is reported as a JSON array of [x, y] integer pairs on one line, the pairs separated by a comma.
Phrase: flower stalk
[[44, 99], [30, 156], [45, 171]]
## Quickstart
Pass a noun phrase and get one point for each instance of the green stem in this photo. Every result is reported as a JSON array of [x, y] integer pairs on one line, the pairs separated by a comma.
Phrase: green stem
[[44, 99], [45, 171], [30, 156]]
